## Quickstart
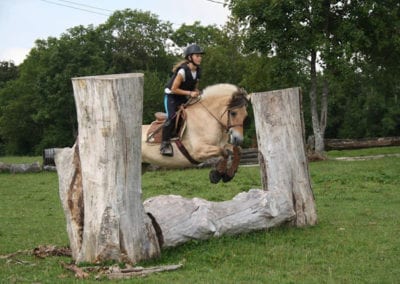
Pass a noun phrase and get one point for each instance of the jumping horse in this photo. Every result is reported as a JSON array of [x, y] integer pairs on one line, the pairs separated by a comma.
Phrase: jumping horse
[[212, 127]]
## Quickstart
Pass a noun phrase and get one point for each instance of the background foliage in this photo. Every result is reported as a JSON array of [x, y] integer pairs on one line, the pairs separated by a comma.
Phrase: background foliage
[[37, 109]]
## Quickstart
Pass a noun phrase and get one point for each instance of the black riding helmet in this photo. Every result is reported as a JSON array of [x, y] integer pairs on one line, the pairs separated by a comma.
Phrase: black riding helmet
[[193, 49]]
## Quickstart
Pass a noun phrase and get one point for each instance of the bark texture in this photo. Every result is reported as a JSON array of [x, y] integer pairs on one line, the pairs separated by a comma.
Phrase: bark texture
[[181, 219], [282, 154], [100, 177]]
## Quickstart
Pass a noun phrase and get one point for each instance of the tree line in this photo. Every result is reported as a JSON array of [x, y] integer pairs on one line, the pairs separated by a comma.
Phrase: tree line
[[344, 55]]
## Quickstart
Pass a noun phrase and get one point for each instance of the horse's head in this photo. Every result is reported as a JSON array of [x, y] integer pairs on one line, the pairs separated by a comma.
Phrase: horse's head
[[227, 105], [237, 113]]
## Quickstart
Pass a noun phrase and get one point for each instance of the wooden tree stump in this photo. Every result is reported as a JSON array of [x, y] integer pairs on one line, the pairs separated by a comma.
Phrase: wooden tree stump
[[100, 177], [282, 153]]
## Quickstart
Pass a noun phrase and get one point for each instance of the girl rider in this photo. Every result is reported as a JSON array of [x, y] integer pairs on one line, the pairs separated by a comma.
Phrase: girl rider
[[182, 85]]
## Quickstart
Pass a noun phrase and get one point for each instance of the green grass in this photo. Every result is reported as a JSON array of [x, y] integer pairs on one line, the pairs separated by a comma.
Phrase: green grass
[[356, 239], [21, 159]]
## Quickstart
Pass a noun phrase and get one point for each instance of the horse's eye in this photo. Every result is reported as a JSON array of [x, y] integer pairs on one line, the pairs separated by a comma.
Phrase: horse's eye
[[233, 113]]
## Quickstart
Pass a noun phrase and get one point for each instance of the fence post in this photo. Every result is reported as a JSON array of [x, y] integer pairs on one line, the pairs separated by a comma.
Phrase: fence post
[[282, 155], [100, 177]]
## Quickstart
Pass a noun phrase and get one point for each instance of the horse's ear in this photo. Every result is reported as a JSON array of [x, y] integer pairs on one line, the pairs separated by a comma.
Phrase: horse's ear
[[245, 95], [249, 96]]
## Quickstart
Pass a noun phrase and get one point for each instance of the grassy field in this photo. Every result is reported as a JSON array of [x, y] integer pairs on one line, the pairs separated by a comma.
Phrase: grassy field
[[356, 239]]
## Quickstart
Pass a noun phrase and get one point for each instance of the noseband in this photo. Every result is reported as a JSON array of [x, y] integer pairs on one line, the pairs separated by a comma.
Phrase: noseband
[[228, 124]]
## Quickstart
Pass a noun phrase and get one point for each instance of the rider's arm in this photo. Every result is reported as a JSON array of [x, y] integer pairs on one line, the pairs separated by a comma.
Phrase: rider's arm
[[176, 84], [177, 91]]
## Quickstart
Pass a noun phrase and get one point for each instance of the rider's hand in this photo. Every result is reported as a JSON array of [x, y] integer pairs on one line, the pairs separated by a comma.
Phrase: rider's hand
[[194, 94]]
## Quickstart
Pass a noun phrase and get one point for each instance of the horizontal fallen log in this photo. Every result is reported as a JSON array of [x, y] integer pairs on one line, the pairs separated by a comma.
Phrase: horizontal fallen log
[[347, 144], [20, 168], [364, 158], [181, 219]]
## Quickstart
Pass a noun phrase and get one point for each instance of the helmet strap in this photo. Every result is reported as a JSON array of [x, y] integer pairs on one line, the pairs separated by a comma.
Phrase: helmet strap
[[191, 61]]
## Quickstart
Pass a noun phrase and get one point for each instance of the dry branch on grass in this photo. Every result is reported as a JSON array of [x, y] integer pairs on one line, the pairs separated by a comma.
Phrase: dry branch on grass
[[50, 250], [116, 272], [79, 273], [41, 251], [11, 255], [110, 272]]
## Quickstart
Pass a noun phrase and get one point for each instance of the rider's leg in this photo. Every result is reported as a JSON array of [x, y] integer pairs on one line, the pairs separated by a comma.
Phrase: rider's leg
[[170, 106], [166, 147]]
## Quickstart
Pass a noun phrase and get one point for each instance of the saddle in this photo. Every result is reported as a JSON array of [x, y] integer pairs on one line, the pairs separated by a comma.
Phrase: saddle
[[154, 134]]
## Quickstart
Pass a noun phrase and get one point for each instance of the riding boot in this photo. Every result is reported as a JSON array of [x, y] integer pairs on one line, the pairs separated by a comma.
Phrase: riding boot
[[166, 147]]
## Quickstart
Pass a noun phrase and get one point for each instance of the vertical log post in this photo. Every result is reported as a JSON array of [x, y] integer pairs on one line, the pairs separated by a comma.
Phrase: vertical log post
[[283, 162], [100, 177]]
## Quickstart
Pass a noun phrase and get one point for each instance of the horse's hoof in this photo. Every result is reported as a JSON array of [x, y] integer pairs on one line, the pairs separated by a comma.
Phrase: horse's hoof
[[214, 176], [227, 178]]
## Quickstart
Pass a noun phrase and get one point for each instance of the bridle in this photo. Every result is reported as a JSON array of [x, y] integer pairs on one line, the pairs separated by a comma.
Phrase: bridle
[[228, 124]]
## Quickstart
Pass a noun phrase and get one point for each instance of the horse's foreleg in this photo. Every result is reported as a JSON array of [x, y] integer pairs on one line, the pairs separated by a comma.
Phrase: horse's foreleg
[[231, 171], [219, 171], [222, 171], [205, 152]]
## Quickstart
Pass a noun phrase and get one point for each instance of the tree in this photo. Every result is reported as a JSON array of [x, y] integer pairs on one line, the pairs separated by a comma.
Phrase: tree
[[296, 33], [8, 72], [204, 36], [135, 41], [18, 130], [130, 41], [324, 40], [224, 61], [376, 49]]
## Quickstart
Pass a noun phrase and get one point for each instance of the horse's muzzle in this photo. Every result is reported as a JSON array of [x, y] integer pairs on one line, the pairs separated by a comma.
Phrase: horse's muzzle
[[236, 137]]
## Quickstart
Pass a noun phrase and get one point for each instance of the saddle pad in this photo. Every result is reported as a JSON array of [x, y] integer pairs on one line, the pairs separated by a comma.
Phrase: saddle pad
[[154, 134]]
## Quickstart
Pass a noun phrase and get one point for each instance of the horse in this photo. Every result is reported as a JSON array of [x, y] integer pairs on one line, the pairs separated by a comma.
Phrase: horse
[[213, 128]]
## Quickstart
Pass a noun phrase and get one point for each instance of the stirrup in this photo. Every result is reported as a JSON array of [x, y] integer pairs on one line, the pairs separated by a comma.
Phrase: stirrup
[[166, 149]]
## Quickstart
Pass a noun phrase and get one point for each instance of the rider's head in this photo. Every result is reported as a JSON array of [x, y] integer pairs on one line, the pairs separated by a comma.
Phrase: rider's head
[[193, 49]]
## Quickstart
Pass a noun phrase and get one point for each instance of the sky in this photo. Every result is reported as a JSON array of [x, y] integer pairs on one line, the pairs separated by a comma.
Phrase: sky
[[22, 22]]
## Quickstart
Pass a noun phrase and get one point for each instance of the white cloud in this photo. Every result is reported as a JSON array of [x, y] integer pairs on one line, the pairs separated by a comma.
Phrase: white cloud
[[17, 54], [23, 22]]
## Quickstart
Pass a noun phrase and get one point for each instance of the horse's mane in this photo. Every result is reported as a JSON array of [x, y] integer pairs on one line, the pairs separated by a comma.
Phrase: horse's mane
[[239, 95]]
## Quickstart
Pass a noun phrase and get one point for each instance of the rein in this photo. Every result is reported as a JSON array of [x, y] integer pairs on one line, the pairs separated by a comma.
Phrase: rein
[[228, 125]]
